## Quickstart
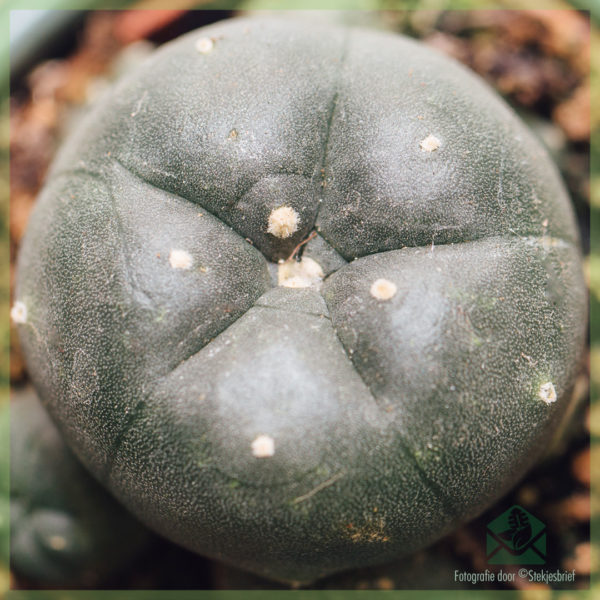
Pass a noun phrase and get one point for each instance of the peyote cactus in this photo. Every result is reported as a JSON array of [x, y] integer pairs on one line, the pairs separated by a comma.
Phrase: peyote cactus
[[66, 530], [304, 298]]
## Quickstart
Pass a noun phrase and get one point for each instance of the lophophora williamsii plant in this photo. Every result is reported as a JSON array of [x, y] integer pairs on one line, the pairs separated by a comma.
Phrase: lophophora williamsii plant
[[304, 298]]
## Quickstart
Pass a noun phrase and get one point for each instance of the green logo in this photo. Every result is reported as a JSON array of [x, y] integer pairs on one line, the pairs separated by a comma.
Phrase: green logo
[[516, 537]]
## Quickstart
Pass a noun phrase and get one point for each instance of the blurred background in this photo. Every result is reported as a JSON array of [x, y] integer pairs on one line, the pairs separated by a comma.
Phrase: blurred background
[[540, 61]]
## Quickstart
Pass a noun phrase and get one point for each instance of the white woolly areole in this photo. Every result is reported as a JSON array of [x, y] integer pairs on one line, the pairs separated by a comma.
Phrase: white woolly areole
[[283, 222], [383, 289], [430, 143], [180, 259], [306, 273], [57, 542], [18, 313], [263, 446], [547, 393], [204, 45]]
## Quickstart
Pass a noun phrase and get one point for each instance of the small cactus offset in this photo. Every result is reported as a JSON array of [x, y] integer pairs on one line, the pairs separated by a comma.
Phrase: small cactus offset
[[65, 529], [304, 298]]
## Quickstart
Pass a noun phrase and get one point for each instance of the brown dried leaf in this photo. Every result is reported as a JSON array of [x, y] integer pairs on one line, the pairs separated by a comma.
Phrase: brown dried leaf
[[581, 467], [582, 560], [573, 115], [574, 509], [133, 25]]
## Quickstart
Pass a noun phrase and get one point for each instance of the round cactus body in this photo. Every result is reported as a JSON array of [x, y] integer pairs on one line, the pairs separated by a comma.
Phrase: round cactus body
[[65, 529], [303, 297]]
